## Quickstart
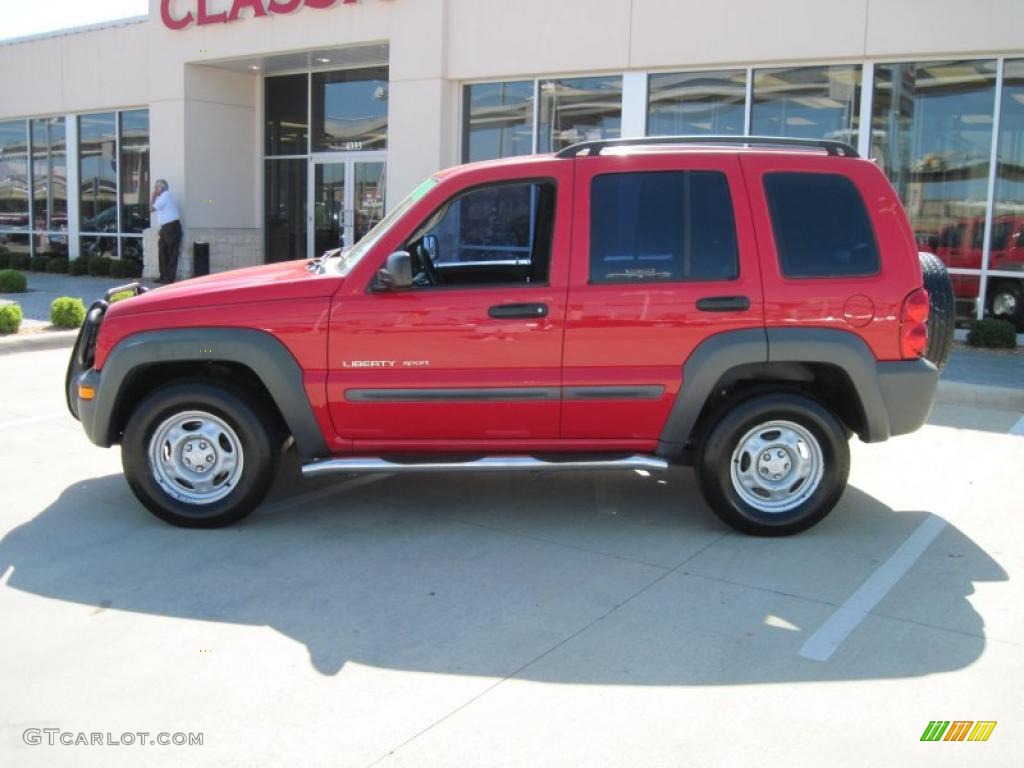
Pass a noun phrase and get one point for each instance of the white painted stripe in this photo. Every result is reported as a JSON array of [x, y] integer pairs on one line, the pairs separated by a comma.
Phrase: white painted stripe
[[1018, 428], [312, 497], [822, 644], [32, 420]]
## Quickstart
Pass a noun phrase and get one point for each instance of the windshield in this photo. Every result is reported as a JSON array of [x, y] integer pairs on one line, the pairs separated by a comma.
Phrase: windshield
[[346, 261]]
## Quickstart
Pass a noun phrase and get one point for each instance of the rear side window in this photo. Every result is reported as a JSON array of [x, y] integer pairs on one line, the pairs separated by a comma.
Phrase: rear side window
[[821, 226], [662, 226]]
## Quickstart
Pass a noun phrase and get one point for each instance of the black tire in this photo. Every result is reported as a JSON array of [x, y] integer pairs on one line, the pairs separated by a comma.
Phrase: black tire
[[941, 310], [255, 452], [715, 464], [1002, 293]]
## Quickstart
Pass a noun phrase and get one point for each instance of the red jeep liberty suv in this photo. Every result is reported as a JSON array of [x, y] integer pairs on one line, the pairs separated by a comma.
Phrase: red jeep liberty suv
[[741, 304]]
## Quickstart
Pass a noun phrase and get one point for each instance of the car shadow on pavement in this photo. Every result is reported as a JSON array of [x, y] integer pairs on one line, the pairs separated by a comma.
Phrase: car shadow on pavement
[[490, 574]]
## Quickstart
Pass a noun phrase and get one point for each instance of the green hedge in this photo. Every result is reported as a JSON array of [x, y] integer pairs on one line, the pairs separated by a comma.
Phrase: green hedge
[[992, 333], [19, 261], [58, 265], [5, 259], [10, 318], [79, 266], [99, 266], [125, 268], [12, 281], [67, 312], [120, 296], [38, 263]]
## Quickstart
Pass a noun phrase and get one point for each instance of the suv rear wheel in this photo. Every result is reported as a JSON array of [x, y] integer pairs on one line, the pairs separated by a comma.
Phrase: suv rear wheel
[[774, 465], [198, 455]]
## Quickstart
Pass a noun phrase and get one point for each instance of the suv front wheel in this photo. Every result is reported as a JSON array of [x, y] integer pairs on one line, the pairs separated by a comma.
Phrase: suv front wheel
[[198, 455], [774, 465]]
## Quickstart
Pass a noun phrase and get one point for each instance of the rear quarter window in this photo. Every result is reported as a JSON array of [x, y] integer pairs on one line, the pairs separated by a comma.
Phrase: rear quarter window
[[821, 226]]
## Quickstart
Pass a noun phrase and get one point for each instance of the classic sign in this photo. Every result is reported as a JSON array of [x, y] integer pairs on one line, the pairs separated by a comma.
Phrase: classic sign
[[173, 18]]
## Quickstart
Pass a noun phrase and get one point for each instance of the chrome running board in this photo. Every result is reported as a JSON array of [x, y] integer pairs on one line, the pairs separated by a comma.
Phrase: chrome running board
[[486, 464]]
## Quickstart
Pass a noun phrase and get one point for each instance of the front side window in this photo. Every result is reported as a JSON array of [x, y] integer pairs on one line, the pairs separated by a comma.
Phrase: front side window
[[662, 226], [497, 234], [821, 226]]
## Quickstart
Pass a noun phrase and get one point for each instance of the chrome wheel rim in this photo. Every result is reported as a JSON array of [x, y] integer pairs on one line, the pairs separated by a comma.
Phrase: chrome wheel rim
[[1004, 303], [777, 466], [195, 457]]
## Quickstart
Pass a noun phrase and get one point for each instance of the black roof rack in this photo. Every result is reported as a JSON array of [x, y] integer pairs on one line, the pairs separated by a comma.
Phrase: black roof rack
[[834, 148]]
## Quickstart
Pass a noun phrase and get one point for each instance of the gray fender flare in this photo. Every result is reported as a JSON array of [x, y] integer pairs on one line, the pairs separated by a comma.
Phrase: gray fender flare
[[267, 357], [713, 358]]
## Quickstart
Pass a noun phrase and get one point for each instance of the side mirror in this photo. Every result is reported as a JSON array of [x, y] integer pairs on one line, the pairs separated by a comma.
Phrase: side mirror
[[396, 274], [432, 246]]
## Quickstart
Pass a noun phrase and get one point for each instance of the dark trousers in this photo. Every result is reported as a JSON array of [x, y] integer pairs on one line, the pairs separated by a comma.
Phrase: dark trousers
[[170, 245]]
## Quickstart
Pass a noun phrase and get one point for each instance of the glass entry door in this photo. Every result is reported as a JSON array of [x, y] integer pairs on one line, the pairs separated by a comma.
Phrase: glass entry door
[[347, 194]]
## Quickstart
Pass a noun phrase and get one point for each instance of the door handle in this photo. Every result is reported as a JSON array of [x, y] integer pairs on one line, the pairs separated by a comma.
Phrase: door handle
[[504, 311], [723, 304]]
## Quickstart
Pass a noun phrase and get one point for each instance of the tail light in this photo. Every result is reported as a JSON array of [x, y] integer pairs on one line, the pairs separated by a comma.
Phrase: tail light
[[914, 324]]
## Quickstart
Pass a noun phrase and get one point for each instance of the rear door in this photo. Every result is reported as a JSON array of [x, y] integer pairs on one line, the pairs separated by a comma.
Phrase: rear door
[[663, 258]]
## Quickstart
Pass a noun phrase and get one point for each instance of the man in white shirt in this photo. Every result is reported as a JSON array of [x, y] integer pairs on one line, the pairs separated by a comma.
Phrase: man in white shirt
[[169, 219]]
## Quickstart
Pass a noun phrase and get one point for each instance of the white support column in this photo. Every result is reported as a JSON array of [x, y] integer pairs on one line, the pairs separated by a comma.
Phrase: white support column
[[748, 102], [867, 91], [993, 161], [634, 104], [72, 184]]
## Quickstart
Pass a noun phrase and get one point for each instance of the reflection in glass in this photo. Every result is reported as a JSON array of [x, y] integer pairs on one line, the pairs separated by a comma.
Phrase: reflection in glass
[[1005, 295], [52, 244], [13, 176], [807, 102], [285, 209], [98, 245], [97, 172], [328, 206], [685, 103], [369, 198], [498, 120], [350, 110], [134, 166], [932, 134], [49, 175], [131, 248], [579, 109], [16, 242], [285, 100]]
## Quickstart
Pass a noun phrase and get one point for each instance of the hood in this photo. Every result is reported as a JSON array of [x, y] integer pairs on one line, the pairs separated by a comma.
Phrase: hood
[[270, 282]]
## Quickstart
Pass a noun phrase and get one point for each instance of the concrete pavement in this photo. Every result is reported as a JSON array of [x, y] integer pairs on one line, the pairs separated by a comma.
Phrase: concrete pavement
[[599, 619]]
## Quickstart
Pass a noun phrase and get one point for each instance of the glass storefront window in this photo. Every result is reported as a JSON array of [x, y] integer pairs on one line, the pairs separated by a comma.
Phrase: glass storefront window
[[285, 209], [14, 178], [685, 103], [97, 158], [49, 175], [579, 109], [350, 110], [931, 129], [134, 169], [285, 106], [498, 120], [807, 102], [1005, 293]]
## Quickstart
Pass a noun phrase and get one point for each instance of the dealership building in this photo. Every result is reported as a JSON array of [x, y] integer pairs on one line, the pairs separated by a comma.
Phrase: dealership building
[[286, 127]]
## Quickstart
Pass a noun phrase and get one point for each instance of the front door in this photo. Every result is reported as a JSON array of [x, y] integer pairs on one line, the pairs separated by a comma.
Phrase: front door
[[347, 193], [470, 356]]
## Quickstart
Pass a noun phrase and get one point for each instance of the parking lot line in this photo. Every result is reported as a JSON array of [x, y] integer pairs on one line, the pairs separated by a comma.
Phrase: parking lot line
[[1018, 428], [31, 420], [822, 644]]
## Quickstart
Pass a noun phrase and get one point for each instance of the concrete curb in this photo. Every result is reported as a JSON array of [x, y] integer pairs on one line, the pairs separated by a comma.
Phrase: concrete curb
[[961, 393], [32, 342]]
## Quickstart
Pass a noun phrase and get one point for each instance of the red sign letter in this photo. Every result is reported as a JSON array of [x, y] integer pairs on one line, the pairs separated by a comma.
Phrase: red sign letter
[[205, 17], [169, 21], [283, 6], [254, 5], [320, 3]]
